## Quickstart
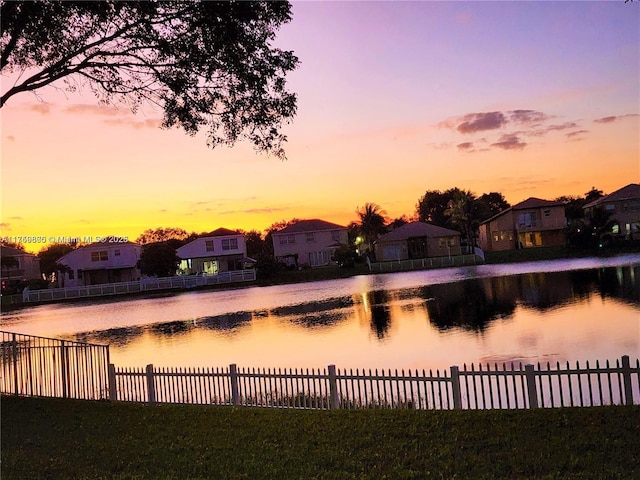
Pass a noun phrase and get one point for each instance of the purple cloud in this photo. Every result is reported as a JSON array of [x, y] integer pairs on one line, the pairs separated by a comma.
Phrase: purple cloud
[[477, 122], [42, 108], [573, 135], [615, 118], [465, 146], [509, 142], [528, 116]]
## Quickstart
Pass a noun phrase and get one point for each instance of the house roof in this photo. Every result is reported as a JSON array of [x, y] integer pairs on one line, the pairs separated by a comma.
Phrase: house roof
[[416, 229], [631, 191], [12, 252], [221, 232], [313, 225], [531, 202]]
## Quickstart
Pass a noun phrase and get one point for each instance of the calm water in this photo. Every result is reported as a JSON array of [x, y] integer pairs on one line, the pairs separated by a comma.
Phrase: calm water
[[582, 309]]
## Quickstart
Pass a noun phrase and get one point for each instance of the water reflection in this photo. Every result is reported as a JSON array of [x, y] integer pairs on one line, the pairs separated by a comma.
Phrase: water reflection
[[532, 316]]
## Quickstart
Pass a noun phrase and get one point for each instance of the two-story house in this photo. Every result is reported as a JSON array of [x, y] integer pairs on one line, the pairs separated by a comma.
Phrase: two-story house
[[623, 206], [222, 250], [18, 264], [99, 263], [309, 242], [418, 240], [531, 223]]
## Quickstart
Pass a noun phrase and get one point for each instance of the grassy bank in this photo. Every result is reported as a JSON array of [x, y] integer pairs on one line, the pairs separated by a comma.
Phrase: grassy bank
[[53, 438]]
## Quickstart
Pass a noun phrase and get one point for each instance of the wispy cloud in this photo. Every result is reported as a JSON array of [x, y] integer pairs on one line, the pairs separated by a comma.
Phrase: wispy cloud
[[11, 138], [256, 210], [41, 108], [465, 146], [509, 142], [528, 117], [136, 124], [91, 109], [577, 135], [5, 226], [615, 118]]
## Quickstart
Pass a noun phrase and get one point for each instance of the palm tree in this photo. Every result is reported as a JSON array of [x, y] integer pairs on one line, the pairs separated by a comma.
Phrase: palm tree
[[372, 222]]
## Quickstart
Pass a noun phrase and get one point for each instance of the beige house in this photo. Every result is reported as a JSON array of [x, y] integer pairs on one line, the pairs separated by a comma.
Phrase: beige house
[[25, 266], [222, 250], [624, 207], [99, 263], [531, 223], [417, 240], [309, 242]]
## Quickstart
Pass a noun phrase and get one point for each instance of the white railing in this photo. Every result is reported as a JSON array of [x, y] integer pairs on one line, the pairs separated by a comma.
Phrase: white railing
[[424, 263], [145, 284], [509, 387]]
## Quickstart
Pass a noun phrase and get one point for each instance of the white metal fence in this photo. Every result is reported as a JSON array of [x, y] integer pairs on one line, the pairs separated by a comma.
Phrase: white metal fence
[[424, 263], [505, 387], [143, 285], [37, 366]]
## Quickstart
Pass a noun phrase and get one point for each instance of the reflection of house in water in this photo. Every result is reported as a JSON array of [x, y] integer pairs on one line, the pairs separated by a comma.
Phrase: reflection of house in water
[[118, 337], [316, 314], [229, 321], [465, 305], [545, 290]]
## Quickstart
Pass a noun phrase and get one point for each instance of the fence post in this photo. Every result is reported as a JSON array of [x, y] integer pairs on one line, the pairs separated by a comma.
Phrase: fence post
[[151, 388], [14, 351], [65, 368], [455, 387], [113, 395], [531, 385], [334, 401], [233, 377], [626, 379]]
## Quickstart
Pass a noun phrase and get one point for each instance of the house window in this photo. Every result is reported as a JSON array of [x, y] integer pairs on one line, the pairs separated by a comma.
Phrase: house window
[[506, 235], [291, 238], [100, 256], [610, 207], [283, 240], [311, 237], [230, 244], [70, 274], [495, 236], [116, 253], [527, 219], [547, 213], [79, 274], [209, 245], [335, 235]]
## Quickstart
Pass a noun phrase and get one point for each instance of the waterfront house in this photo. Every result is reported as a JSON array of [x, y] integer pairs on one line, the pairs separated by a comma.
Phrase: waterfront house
[[418, 240], [531, 223], [623, 205], [309, 242], [101, 262], [18, 265], [220, 251]]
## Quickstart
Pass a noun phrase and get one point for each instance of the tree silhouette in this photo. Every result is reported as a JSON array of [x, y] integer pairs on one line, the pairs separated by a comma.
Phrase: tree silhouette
[[207, 65], [460, 212]]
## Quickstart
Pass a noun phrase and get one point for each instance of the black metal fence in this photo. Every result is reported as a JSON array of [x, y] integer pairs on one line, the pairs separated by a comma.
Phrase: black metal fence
[[48, 367]]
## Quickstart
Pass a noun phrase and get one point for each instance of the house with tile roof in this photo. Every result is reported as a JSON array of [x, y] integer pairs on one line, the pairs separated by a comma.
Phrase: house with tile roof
[[309, 242], [417, 240], [99, 263], [624, 207], [533, 222], [222, 250]]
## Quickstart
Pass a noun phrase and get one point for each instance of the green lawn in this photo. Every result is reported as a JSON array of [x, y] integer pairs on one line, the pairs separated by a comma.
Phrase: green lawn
[[58, 439]]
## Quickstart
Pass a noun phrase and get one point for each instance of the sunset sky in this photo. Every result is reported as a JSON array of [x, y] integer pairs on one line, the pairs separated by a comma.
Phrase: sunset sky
[[394, 98]]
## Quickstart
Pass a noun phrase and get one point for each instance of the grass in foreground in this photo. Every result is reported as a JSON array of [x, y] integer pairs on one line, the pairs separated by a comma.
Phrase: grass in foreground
[[53, 438]]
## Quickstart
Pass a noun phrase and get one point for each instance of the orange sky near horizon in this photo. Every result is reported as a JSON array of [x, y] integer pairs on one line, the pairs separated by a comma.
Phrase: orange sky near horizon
[[380, 119]]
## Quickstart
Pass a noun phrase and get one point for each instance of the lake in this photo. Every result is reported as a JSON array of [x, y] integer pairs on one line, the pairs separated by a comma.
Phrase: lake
[[563, 310]]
